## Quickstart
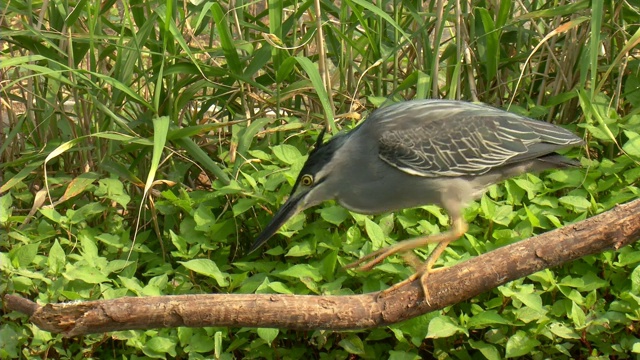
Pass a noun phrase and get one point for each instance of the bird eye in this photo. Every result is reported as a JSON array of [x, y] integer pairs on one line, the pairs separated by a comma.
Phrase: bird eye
[[307, 180]]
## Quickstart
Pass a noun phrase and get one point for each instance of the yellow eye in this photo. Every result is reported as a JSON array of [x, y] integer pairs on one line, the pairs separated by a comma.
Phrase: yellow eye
[[307, 180]]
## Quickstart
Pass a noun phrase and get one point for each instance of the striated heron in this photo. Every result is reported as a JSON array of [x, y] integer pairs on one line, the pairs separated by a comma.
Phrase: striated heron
[[422, 152]]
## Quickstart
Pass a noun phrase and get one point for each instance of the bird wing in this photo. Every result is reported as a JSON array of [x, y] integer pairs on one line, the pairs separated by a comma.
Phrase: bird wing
[[450, 139]]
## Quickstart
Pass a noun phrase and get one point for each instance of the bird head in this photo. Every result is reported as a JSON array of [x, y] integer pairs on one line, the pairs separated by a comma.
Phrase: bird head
[[309, 189]]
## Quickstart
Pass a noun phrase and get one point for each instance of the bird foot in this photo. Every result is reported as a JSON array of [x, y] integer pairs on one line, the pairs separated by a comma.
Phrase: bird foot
[[423, 275]]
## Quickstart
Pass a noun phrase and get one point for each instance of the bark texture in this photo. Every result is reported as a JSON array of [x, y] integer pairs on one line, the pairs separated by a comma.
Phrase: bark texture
[[610, 230]]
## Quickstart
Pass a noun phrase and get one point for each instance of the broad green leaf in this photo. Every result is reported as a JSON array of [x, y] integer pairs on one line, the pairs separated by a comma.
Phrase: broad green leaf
[[375, 234], [113, 189], [520, 344], [441, 327], [110, 240], [89, 275], [577, 315], [353, 344], [53, 215], [302, 249], [300, 271], [488, 351], [563, 331], [22, 256], [334, 214], [403, 355], [243, 205], [200, 343], [5, 208], [635, 280], [208, 268], [531, 300], [632, 146], [57, 258], [286, 153], [159, 347], [575, 202], [279, 287], [486, 318], [268, 334]]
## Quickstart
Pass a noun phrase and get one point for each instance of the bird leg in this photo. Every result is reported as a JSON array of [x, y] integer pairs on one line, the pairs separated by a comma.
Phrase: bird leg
[[458, 229], [422, 270]]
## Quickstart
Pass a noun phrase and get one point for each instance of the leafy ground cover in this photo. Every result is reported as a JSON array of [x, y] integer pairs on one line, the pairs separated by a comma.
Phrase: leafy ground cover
[[145, 144]]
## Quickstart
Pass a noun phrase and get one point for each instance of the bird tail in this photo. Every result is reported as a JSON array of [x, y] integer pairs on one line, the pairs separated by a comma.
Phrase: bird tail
[[558, 161]]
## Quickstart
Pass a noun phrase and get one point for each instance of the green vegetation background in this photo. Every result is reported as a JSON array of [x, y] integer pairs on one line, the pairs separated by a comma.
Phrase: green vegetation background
[[146, 143]]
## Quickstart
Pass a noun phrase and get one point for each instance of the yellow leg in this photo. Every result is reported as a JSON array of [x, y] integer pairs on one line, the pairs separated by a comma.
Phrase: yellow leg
[[422, 271]]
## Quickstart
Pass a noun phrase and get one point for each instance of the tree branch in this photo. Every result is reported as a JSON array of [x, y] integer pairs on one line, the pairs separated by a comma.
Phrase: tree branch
[[610, 230]]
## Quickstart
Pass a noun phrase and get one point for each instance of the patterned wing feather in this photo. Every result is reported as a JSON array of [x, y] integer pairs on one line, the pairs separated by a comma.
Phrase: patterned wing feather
[[469, 141]]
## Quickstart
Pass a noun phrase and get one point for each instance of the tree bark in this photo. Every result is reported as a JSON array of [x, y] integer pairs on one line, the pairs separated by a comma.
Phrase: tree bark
[[610, 230]]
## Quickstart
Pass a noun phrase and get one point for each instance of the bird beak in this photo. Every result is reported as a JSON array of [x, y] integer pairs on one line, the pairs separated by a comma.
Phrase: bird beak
[[294, 205]]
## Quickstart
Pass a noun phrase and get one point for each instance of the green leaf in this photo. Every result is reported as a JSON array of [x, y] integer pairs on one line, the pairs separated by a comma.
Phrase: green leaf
[[23, 256], [57, 258], [375, 233], [635, 280], [286, 153], [403, 355], [110, 240], [113, 189], [577, 315], [353, 344], [268, 334], [298, 250], [490, 40], [632, 146], [488, 351], [520, 344], [279, 287], [5, 208], [300, 271], [160, 130], [486, 318], [441, 327], [334, 214], [200, 343], [531, 300], [159, 347], [208, 268], [243, 205], [226, 39], [53, 215], [577, 203], [10, 343], [318, 85], [89, 275], [563, 331]]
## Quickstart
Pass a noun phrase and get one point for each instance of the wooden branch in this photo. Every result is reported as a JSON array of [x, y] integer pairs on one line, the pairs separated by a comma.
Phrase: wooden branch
[[610, 230]]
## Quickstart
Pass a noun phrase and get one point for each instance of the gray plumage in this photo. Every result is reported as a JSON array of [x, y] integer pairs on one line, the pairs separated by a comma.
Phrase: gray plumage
[[423, 152]]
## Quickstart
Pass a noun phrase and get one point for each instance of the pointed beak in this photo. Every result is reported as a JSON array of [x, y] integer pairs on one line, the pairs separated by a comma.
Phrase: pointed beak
[[290, 208]]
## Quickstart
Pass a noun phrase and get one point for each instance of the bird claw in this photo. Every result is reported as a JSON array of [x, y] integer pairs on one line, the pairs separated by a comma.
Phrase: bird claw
[[423, 275]]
